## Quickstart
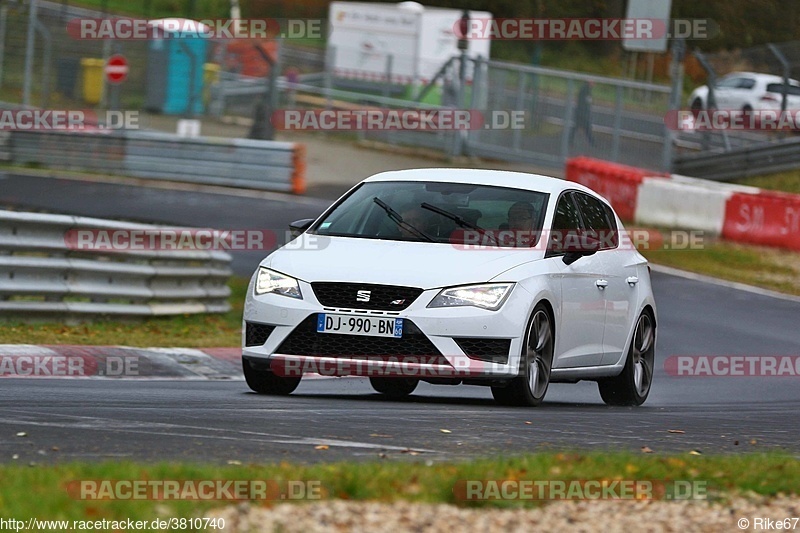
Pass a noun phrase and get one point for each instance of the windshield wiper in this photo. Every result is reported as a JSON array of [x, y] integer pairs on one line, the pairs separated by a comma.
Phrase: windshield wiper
[[395, 217], [458, 220]]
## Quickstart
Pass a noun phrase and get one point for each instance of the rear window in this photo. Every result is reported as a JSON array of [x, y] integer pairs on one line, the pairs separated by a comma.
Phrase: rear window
[[777, 88]]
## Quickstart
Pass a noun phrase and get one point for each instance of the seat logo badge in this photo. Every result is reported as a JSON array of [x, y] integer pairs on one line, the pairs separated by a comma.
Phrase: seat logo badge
[[363, 296]]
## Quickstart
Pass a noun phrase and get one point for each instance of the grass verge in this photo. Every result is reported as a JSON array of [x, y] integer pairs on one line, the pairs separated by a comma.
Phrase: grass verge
[[782, 181], [42, 492], [761, 266]]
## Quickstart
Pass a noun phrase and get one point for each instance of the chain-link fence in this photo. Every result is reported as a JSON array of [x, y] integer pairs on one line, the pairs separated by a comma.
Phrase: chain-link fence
[[529, 114], [744, 80], [64, 71]]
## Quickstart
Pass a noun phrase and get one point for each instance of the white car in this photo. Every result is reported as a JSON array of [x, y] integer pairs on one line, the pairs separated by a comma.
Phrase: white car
[[455, 276], [748, 91]]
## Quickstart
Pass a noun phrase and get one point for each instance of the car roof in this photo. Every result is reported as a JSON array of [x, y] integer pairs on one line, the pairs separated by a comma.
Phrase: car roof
[[499, 178], [769, 78]]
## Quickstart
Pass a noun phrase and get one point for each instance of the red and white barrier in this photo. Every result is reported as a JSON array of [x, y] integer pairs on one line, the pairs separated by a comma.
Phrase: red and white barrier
[[770, 218], [619, 184], [736, 212]]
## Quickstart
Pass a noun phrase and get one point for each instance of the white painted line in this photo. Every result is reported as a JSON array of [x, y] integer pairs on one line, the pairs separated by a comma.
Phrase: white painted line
[[724, 283], [180, 430]]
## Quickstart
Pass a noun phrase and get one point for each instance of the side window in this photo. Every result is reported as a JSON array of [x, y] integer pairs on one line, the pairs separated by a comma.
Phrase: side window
[[566, 222], [612, 221], [728, 83], [596, 220], [746, 83]]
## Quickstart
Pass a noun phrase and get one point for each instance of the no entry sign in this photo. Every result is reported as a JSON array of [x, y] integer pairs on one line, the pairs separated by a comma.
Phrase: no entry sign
[[116, 69]]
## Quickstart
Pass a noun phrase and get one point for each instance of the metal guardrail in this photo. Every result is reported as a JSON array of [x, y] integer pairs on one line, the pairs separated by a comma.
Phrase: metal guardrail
[[256, 164], [41, 274], [742, 162]]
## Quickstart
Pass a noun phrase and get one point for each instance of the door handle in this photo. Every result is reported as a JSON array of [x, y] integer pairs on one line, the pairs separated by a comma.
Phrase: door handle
[[633, 280], [601, 284]]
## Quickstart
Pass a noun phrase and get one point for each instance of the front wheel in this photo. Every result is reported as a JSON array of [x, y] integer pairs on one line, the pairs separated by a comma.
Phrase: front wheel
[[394, 387], [530, 386], [632, 386], [266, 382]]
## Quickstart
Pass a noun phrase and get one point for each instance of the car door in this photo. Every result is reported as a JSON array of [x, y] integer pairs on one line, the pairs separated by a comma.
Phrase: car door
[[722, 91], [618, 269], [579, 332], [741, 94]]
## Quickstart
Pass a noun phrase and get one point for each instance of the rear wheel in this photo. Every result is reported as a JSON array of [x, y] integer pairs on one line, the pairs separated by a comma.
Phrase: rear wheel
[[264, 381], [632, 386], [394, 387], [530, 386]]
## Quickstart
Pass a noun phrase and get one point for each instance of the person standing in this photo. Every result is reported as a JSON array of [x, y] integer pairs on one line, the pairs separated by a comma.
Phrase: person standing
[[583, 114]]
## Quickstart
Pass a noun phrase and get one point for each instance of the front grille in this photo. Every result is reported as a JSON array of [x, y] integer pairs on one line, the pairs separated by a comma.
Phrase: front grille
[[493, 350], [256, 334], [381, 297], [305, 340]]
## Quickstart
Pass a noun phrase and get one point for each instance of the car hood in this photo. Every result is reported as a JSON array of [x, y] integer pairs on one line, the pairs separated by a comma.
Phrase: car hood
[[418, 264]]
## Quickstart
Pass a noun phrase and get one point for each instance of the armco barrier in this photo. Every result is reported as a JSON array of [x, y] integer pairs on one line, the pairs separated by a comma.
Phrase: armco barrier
[[268, 165], [619, 184], [768, 218], [40, 274]]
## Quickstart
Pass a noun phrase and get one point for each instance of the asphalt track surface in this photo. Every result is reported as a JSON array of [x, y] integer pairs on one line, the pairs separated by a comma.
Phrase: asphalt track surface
[[221, 420]]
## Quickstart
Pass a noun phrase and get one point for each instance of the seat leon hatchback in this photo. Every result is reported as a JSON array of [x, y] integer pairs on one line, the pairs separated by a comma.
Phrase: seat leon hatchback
[[454, 276]]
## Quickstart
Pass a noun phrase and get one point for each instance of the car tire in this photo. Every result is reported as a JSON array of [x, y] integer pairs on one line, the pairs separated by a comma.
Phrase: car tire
[[530, 386], [633, 385], [267, 382], [394, 387]]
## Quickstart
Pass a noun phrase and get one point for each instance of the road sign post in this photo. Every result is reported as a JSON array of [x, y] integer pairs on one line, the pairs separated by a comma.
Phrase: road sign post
[[116, 72]]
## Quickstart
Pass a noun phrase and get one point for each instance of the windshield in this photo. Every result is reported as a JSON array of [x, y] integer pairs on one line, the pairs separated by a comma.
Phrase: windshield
[[438, 212]]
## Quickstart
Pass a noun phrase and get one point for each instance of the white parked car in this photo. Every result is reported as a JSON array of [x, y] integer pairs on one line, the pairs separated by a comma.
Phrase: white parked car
[[453, 276], [748, 91]]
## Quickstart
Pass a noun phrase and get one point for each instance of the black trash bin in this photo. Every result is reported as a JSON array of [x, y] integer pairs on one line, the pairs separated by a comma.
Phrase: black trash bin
[[68, 72]]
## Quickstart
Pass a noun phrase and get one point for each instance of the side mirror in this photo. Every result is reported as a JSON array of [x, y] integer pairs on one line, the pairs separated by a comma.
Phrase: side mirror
[[299, 226], [580, 247]]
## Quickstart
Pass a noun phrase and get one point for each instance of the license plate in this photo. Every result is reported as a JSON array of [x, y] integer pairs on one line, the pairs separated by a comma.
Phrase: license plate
[[372, 326]]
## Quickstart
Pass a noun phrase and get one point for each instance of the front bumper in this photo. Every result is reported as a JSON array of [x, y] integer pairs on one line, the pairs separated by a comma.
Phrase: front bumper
[[440, 331]]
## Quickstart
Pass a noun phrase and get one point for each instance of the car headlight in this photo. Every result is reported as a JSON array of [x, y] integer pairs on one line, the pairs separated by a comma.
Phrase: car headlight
[[489, 296], [269, 281]]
